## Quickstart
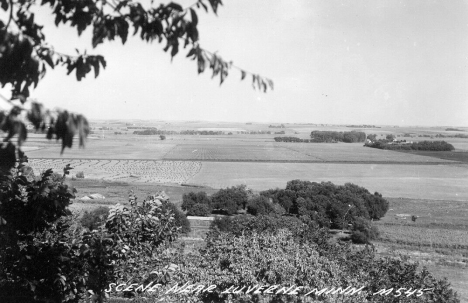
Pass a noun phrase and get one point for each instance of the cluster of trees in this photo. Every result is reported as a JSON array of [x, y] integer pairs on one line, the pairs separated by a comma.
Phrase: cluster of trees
[[422, 145], [454, 129], [334, 136], [316, 204], [225, 201], [282, 255], [327, 204], [277, 126]]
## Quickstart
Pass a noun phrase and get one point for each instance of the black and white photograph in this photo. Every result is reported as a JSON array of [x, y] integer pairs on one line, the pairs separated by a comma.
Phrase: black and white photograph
[[233, 151]]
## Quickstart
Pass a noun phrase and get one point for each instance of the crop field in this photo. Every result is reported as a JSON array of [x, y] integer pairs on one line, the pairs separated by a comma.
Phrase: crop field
[[437, 182], [124, 170], [236, 152], [421, 236], [437, 239], [356, 152]]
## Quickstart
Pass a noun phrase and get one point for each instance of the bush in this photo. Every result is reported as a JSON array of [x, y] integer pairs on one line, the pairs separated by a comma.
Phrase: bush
[[363, 231], [96, 217], [192, 198], [247, 224], [201, 210], [231, 199], [180, 218], [260, 206], [80, 175]]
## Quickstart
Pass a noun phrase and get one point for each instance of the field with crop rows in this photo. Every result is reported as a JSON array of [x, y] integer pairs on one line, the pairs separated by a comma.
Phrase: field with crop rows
[[421, 236], [236, 152], [124, 170]]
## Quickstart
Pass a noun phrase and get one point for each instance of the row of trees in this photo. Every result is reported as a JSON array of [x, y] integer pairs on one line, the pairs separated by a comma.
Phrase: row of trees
[[334, 136], [291, 139], [422, 145], [316, 204]]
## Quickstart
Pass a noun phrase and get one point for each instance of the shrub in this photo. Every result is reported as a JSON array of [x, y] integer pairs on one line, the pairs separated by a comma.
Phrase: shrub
[[192, 198], [363, 231], [231, 199], [247, 224], [80, 175], [260, 205], [95, 218], [201, 210], [180, 218]]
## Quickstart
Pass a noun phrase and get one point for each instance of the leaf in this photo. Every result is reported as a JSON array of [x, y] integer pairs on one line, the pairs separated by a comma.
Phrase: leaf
[[22, 133], [49, 60], [204, 6], [175, 6], [4, 5], [194, 17], [243, 74]]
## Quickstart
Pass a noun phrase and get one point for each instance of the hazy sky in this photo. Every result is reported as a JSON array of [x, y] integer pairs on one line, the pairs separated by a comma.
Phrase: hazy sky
[[373, 62]]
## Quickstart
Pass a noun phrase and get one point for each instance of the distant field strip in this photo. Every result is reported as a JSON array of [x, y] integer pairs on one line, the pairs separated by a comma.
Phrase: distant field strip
[[294, 153], [236, 152], [420, 236], [124, 170]]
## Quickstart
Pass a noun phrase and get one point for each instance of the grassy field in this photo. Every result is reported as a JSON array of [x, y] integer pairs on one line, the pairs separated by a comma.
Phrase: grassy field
[[117, 192], [437, 239]]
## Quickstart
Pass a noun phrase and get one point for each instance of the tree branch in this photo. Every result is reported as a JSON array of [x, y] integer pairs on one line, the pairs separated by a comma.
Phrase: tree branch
[[11, 14]]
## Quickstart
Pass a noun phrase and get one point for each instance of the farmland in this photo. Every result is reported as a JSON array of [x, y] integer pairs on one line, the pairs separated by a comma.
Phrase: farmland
[[126, 170], [430, 185]]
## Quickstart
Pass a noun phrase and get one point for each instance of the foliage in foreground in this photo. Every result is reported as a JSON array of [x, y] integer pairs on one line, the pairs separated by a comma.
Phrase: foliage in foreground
[[45, 257], [267, 259]]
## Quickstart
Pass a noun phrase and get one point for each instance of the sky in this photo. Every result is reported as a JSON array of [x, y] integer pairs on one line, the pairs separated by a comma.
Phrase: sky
[[334, 62]]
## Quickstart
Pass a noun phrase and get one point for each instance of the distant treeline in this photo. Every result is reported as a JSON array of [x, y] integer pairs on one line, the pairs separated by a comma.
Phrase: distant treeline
[[277, 126], [423, 145], [452, 136], [258, 132], [152, 132], [291, 139], [333, 136], [363, 126], [141, 127], [454, 129]]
